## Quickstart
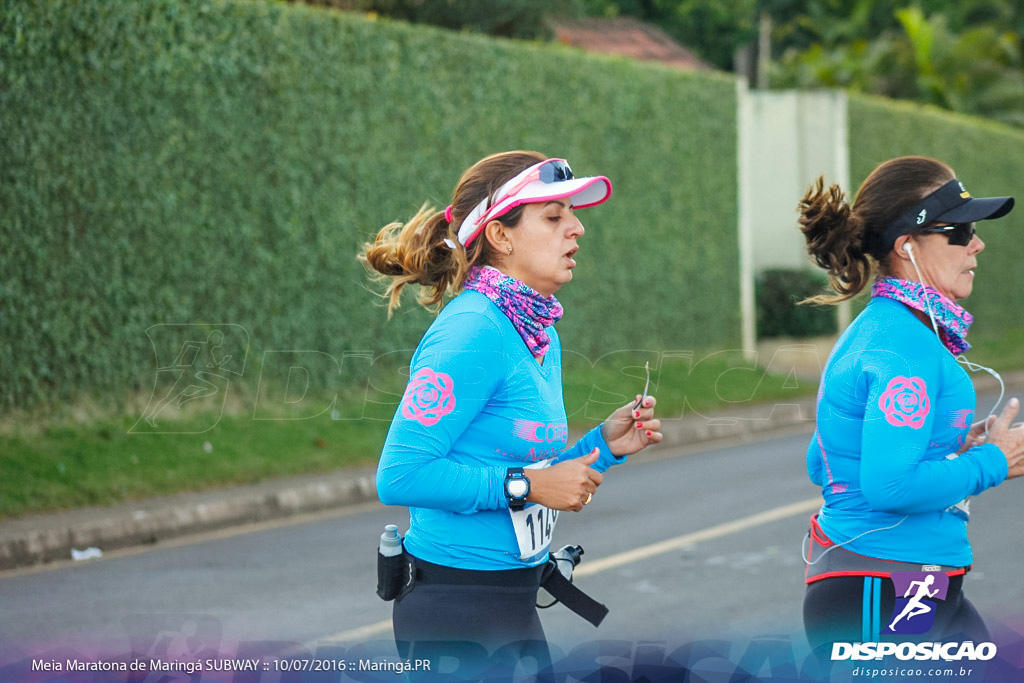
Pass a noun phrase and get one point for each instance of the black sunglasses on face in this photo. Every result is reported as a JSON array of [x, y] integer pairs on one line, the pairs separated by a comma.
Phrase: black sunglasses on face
[[958, 234]]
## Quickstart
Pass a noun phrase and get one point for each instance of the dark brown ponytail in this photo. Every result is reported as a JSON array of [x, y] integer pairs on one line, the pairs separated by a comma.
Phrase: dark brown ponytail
[[847, 241], [835, 239]]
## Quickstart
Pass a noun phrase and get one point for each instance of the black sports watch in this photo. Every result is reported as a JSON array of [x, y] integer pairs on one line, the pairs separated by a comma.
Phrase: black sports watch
[[517, 488]]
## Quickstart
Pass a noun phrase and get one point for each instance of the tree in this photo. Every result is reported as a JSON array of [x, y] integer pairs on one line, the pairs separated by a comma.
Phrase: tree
[[963, 55], [974, 69]]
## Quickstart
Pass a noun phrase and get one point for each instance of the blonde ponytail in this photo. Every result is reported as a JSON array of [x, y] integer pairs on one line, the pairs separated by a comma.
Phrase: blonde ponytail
[[425, 250], [416, 253]]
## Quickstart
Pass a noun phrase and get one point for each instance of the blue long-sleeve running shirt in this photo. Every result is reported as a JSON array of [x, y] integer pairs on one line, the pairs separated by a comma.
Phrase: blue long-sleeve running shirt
[[892, 406], [477, 404]]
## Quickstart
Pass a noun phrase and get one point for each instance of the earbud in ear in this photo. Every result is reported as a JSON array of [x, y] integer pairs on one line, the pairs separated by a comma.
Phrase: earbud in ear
[[908, 248]]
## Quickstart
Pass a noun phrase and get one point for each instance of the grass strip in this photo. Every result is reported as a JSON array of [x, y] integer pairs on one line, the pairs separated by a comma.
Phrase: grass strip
[[57, 464]]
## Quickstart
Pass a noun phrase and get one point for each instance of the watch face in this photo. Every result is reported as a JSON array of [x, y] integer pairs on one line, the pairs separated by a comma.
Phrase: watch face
[[517, 488]]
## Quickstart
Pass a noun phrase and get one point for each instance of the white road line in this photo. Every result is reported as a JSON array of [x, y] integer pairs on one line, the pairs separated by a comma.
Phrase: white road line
[[635, 555], [717, 531], [357, 634]]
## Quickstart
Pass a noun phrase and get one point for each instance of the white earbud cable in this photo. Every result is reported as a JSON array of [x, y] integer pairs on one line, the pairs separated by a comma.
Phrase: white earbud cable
[[804, 545], [973, 367]]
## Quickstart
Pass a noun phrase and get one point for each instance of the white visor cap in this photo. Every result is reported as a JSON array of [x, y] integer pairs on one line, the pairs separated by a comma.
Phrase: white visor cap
[[543, 182]]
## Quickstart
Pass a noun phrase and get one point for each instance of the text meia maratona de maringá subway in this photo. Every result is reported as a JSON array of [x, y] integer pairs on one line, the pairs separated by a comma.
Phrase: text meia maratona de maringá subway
[[188, 667]]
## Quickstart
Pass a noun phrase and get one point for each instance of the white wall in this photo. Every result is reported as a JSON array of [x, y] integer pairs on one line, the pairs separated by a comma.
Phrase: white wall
[[786, 140]]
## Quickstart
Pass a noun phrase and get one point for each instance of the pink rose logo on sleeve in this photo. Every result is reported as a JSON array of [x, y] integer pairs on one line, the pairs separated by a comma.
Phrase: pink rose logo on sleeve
[[905, 402], [428, 397]]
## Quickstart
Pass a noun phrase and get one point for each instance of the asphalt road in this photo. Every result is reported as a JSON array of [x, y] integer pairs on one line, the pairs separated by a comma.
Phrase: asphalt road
[[681, 546]]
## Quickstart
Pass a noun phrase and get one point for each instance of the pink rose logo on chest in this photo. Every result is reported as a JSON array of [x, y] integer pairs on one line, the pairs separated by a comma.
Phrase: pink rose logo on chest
[[905, 402], [428, 397]]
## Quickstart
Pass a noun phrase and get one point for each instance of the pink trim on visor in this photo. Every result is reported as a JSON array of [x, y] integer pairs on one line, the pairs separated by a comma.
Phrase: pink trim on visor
[[528, 187]]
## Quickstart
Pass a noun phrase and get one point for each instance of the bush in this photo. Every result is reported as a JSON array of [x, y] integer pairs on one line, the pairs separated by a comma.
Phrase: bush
[[778, 312]]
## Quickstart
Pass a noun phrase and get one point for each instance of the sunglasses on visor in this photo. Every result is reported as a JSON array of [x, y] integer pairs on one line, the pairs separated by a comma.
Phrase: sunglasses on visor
[[554, 171], [506, 198], [551, 171], [958, 234]]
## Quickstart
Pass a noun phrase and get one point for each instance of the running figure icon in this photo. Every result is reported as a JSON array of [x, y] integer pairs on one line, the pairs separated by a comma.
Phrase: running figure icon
[[193, 384], [915, 606], [196, 364]]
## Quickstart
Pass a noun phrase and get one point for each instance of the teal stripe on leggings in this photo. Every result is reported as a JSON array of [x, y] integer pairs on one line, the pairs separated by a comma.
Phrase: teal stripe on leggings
[[870, 615], [876, 624], [870, 624], [865, 615]]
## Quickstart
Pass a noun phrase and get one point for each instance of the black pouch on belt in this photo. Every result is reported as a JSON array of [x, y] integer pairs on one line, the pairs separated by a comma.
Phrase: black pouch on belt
[[391, 575]]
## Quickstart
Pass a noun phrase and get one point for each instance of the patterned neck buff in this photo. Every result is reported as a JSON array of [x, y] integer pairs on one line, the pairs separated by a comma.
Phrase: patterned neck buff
[[953, 321], [529, 311]]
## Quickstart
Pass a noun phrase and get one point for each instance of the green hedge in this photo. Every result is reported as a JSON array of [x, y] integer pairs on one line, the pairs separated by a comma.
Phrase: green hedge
[[173, 162], [988, 157], [170, 167]]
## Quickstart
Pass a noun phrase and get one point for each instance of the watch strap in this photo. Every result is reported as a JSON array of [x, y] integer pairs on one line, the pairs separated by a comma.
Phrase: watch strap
[[516, 502]]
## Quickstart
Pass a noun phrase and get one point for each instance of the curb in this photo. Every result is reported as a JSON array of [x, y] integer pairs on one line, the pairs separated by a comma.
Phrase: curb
[[40, 539]]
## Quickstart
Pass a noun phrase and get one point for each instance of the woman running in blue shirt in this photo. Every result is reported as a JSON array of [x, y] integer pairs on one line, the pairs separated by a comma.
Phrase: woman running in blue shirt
[[477, 448], [895, 452]]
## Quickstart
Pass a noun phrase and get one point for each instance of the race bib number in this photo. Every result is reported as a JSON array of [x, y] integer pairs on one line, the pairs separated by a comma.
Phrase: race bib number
[[534, 525]]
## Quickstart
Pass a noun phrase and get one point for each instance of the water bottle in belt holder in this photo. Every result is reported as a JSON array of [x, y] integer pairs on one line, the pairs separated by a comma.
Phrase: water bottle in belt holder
[[390, 563]]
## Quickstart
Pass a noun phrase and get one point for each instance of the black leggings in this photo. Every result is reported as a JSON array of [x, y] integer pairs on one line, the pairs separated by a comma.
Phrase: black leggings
[[859, 608], [478, 618]]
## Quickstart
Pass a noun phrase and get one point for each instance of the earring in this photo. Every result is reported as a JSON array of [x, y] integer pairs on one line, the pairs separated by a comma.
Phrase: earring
[[510, 250]]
